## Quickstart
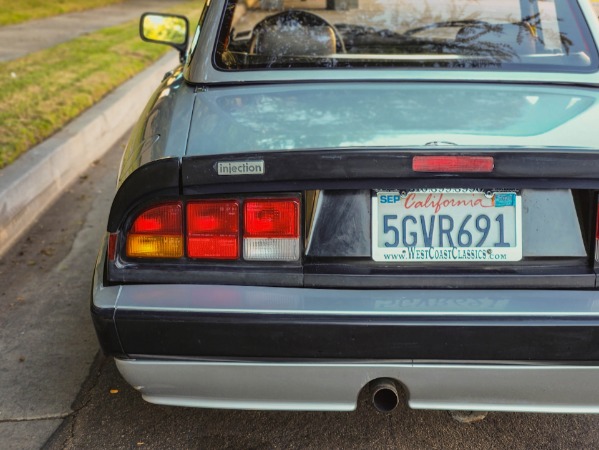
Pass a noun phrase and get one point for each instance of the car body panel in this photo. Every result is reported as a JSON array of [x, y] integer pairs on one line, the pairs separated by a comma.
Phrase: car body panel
[[163, 127]]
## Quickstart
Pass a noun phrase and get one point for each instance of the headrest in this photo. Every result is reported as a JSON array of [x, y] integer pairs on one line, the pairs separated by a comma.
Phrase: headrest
[[294, 33]]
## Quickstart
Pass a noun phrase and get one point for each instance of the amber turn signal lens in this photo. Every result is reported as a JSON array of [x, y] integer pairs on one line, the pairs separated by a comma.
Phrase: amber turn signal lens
[[146, 246], [157, 233]]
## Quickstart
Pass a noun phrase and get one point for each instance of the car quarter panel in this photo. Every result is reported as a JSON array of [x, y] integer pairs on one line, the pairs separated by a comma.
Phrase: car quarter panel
[[163, 127]]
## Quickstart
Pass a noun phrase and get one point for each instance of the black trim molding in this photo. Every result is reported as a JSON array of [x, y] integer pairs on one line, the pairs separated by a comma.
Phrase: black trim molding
[[188, 334]]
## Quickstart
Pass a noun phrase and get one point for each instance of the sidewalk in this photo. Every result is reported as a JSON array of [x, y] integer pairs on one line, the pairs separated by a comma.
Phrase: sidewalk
[[37, 391], [35, 35]]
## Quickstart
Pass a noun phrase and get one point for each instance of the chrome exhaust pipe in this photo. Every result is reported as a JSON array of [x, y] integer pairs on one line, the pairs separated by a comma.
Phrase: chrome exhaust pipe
[[384, 395]]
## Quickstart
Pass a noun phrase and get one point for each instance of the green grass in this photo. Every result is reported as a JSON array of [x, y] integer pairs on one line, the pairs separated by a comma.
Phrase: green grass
[[42, 92], [16, 11]]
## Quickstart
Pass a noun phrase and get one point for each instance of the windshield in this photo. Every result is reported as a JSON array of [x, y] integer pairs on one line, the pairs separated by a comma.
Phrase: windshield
[[525, 35]]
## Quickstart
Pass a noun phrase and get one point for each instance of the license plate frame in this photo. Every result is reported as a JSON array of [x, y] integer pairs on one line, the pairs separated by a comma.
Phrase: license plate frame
[[502, 221]]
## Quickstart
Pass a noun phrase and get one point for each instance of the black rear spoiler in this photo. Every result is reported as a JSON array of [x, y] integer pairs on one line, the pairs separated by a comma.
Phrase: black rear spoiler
[[284, 171]]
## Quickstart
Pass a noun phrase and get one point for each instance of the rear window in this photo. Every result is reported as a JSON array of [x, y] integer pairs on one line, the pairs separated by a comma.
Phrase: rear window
[[522, 35]]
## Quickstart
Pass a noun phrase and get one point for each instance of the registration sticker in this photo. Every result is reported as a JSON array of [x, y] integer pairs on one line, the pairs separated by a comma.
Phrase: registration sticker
[[504, 199], [446, 225]]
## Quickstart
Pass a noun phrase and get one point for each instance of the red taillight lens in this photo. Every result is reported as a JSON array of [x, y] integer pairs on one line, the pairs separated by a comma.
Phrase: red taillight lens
[[163, 219], [271, 218], [213, 229], [453, 164], [112, 238], [157, 233]]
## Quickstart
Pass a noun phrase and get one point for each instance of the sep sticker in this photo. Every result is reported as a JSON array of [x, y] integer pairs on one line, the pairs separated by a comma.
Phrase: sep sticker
[[504, 199]]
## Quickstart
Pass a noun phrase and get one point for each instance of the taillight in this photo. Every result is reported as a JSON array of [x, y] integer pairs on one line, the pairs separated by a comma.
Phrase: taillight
[[213, 229], [453, 163], [157, 233], [271, 229]]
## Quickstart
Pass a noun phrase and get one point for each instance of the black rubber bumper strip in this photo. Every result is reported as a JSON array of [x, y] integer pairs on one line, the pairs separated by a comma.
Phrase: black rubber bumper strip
[[103, 319], [334, 337]]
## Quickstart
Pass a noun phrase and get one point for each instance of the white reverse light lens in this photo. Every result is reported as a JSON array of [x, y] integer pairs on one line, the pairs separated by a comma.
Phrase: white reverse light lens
[[263, 249]]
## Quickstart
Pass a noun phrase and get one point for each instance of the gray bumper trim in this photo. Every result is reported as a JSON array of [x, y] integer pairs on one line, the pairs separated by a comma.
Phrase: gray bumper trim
[[383, 302], [335, 386]]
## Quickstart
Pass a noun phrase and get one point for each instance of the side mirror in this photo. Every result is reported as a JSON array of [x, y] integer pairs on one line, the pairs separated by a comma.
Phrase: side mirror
[[167, 29]]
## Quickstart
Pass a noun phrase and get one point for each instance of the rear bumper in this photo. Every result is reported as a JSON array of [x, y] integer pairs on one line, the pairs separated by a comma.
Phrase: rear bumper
[[335, 386], [206, 321], [315, 349]]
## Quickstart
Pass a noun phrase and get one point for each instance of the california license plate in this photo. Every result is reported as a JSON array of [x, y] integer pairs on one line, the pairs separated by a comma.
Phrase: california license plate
[[446, 225]]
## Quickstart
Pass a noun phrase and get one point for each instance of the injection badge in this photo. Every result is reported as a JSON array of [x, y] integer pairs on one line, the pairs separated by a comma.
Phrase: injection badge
[[240, 168]]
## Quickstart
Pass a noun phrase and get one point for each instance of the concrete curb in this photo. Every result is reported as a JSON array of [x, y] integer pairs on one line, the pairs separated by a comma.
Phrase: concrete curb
[[36, 179]]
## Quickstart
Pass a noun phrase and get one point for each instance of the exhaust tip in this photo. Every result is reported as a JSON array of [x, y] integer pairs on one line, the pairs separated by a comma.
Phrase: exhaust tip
[[384, 395]]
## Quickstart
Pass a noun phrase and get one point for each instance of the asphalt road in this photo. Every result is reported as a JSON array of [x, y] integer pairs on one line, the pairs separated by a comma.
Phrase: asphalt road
[[47, 342], [48, 346]]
